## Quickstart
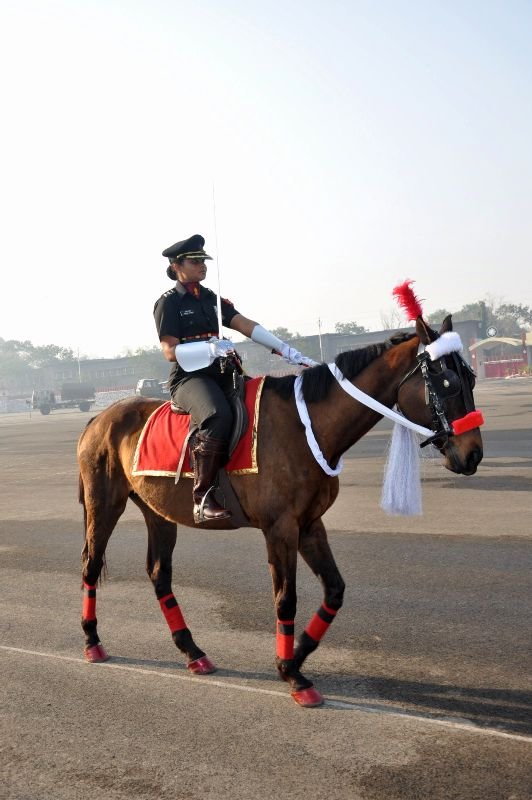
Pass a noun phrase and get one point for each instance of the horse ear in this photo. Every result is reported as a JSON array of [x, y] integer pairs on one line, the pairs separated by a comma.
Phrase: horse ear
[[424, 331], [447, 325]]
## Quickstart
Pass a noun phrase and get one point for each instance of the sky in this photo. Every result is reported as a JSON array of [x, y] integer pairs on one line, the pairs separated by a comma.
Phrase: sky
[[326, 152]]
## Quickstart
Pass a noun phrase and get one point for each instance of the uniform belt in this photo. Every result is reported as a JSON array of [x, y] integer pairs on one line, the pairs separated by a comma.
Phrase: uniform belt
[[199, 337]]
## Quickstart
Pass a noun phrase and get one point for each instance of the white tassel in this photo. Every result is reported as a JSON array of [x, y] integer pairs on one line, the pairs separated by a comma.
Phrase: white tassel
[[401, 489]]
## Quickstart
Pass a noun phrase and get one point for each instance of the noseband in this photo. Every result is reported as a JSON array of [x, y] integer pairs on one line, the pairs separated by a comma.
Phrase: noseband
[[441, 386]]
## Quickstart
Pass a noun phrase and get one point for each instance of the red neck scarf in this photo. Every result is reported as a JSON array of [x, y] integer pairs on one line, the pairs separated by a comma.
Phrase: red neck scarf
[[193, 288]]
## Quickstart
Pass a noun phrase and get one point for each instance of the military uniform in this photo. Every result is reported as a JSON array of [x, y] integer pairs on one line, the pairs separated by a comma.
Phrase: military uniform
[[188, 312], [190, 315]]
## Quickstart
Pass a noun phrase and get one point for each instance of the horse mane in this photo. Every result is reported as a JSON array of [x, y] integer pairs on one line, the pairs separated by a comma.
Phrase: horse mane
[[317, 381]]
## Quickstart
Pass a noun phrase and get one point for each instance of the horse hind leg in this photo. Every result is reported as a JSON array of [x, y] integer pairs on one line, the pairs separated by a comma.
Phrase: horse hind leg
[[162, 536], [103, 504]]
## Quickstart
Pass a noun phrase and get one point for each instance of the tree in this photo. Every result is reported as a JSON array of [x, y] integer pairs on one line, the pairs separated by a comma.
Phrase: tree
[[436, 318], [19, 360], [349, 327], [12, 365], [509, 319], [49, 354], [285, 335], [521, 315], [392, 319]]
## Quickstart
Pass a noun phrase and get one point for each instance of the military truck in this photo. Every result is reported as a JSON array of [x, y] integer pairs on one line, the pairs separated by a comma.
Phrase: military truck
[[73, 395]]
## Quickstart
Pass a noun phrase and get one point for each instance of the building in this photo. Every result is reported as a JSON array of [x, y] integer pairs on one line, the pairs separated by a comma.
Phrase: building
[[502, 356]]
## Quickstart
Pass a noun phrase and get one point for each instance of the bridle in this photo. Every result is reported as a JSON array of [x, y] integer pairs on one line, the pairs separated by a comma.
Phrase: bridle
[[441, 386]]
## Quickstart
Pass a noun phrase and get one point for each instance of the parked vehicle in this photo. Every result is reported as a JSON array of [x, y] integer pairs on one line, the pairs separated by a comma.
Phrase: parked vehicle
[[73, 395], [151, 387]]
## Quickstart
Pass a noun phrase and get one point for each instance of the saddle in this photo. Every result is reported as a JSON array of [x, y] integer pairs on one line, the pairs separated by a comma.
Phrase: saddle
[[163, 445], [238, 407]]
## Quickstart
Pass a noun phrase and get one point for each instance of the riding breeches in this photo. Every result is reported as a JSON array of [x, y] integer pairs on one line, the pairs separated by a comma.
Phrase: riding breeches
[[203, 397]]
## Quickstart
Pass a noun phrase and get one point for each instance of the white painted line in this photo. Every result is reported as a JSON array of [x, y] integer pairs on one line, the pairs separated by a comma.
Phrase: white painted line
[[368, 708], [187, 677]]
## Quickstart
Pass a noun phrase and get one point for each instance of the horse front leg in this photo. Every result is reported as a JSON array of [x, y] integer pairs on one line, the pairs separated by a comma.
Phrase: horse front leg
[[162, 535], [281, 542], [314, 548]]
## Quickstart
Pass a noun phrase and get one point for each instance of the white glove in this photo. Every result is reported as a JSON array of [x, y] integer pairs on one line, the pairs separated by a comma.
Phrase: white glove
[[221, 348], [293, 356], [267, 339]]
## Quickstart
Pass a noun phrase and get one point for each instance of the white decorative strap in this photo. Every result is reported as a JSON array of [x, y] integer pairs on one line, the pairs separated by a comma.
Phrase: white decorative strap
[[311, 439], [367, 400], [356, 394]]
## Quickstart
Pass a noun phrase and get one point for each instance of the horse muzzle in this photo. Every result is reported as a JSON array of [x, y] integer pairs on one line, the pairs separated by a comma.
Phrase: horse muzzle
[[462, 459]]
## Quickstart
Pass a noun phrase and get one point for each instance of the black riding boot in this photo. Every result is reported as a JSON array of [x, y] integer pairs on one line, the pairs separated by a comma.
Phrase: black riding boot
[[209, 456]]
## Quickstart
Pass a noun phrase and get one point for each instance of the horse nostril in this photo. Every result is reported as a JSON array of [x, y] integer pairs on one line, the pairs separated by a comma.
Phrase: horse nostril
[[475, 457]]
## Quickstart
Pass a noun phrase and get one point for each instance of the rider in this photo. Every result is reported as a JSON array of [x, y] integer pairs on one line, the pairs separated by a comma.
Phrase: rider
[[199, 382]]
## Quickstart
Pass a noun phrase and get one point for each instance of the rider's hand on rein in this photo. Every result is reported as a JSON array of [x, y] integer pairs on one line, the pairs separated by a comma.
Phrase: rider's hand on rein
[[294, 357]]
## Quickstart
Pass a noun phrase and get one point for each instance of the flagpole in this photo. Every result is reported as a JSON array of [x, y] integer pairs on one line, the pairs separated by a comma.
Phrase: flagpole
[[219, 296]]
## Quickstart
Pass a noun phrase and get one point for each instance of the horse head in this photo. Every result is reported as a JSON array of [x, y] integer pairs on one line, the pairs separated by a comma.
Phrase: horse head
[[438, 393]]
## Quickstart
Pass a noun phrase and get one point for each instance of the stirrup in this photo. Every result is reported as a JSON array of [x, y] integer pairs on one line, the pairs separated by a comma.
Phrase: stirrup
[[199, 510]]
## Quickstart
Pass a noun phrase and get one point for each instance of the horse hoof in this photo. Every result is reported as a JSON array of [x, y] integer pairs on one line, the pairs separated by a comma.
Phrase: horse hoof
[[308, 698], [96, 654], [201, 666]]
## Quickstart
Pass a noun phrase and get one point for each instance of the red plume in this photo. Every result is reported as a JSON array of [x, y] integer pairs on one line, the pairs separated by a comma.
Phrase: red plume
[[408, 300]]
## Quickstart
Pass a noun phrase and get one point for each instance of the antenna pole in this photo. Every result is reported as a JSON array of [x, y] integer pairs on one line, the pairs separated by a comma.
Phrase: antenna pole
[[219, 296]]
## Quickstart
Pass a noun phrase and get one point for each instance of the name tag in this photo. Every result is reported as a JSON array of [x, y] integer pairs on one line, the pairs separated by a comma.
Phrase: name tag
[[186, 312]]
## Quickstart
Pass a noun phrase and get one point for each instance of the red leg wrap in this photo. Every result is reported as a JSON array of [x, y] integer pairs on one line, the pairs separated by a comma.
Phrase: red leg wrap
[[172, 613], [285, 639], [319, 623], [88, 611]]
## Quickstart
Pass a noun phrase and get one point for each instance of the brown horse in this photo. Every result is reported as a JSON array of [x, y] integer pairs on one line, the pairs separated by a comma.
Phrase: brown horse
[[288, 496]]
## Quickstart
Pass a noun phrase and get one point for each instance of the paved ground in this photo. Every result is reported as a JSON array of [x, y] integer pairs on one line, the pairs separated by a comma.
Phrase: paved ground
[[426, 670]]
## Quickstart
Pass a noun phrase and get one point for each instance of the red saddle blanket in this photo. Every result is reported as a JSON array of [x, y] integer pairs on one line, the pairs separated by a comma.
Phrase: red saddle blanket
[[163, 449]]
